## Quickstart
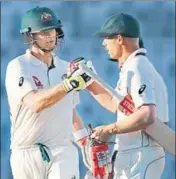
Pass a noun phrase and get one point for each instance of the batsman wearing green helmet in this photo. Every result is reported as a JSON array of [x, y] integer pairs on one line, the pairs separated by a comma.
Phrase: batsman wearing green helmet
[[43, 104]]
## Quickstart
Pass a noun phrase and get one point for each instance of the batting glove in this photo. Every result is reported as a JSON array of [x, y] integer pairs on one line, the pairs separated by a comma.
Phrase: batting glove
[[96, 158], [75, 69], [74, 83]]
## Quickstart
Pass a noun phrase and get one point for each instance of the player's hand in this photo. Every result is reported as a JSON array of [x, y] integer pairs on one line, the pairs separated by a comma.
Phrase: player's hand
[[74, 69], [74, 65], [101, 133], [74, 83]]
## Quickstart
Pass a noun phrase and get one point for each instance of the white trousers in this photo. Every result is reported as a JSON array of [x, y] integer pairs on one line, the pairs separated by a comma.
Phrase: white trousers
[[28, 163], [143, 163]]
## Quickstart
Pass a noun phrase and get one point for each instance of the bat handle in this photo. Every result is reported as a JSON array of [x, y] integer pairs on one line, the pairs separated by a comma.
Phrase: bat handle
[[90, 129]]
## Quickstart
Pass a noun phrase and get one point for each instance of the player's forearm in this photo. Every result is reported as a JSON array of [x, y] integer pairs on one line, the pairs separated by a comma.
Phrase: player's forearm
[[41, 100], [77, 122], [103, 97], [79, 130], [139, 120]]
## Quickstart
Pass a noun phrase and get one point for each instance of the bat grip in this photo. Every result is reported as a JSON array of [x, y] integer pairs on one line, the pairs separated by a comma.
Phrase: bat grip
[[90, 129]]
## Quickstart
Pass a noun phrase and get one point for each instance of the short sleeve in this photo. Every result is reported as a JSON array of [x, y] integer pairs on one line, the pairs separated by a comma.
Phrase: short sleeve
[[76, 99], [142, 88], [18, 81]]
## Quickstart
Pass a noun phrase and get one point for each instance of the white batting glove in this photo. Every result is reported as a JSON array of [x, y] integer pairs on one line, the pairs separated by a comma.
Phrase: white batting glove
[[90, 65], [74, 69]]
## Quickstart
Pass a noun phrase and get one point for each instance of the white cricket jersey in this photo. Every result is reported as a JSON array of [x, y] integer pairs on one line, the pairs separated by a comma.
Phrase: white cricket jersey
[[52, 126], [139, 79]]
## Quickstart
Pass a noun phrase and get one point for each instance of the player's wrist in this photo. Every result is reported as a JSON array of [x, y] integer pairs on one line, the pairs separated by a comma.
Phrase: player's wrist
[[92, 86], [112, 129], [81, 136], [76, 83], [66, 85]]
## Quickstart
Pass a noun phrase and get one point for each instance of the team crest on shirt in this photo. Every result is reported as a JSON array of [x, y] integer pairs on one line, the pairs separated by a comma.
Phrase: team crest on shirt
[[38, 83], [46, 17]]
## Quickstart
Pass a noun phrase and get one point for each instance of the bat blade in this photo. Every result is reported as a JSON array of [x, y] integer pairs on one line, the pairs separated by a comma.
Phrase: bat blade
[[163, 134]]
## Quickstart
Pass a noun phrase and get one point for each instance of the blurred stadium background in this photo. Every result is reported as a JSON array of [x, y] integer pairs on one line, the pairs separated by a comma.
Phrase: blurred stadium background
[[80, 21]]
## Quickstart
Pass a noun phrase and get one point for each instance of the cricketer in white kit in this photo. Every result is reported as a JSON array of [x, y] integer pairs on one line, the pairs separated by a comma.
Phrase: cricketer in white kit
[[138, 155], [145, 100], [42, 104]]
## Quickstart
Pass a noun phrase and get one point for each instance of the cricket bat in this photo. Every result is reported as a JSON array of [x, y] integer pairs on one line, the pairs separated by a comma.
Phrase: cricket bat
[[159, 131]]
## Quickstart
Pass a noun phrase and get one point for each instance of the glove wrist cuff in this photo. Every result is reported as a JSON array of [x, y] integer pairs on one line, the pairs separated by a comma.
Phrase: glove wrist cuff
[[80, 134], [67, 86]]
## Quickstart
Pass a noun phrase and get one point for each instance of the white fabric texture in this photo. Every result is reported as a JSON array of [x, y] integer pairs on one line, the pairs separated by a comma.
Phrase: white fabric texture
[[52, 125], [139, 79], [145, 163], [28, 163]]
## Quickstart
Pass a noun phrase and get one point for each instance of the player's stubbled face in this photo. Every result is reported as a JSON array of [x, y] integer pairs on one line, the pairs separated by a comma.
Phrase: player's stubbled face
[[46, 39], [113, 48]]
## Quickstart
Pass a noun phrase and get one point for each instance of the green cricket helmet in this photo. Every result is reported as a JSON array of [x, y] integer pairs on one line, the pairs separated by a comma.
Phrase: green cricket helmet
[[39, 19]]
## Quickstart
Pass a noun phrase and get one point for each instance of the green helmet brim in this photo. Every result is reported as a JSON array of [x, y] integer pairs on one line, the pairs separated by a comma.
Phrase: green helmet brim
[[39, 30]]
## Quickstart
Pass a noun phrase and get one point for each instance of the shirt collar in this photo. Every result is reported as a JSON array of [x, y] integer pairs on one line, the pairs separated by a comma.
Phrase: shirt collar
[[131, 56], [35, 61]]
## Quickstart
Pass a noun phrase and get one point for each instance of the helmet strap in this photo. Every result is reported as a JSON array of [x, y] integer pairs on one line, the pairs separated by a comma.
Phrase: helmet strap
[[43, 49]]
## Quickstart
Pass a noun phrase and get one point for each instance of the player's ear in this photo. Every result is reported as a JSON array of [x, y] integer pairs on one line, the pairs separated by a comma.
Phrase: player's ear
[[120, 39]]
